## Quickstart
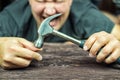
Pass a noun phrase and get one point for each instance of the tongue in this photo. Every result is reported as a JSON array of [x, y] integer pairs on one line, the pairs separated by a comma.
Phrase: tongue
[[52, 23]]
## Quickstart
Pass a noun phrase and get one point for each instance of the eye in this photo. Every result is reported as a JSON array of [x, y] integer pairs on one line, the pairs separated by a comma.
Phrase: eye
[[59, 0], [40, 0], [50, 1]]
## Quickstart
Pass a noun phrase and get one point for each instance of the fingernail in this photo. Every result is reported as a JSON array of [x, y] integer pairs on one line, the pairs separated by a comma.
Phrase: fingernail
[[91, 55], [85, 48], [39, 58]]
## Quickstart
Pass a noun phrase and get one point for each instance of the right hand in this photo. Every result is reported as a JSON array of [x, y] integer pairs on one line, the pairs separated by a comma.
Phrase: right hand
[[104, 46], [17, 52]]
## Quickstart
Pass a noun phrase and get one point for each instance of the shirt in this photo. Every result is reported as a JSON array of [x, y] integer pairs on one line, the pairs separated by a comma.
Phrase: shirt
[[16, 20]]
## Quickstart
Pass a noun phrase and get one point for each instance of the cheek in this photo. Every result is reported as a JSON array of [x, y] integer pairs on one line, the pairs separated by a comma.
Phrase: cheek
[[37, 9], [62, 8]]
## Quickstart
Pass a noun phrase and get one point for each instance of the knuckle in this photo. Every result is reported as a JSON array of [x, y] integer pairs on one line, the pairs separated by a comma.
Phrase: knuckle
[[13, 41], [11, 49], [7, 58], [104, 50], [30, 55], [102, 32], [95, 35], [117, 43], [101, 39], [113, 58], [4, 65]]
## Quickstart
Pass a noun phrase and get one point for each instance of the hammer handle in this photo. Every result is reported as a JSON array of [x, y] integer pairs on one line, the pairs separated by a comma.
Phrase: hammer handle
[[78, 42]]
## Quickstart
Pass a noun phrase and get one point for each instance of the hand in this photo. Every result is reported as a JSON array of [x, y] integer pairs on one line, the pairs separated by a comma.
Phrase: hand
[[109, 45], [17, 52]]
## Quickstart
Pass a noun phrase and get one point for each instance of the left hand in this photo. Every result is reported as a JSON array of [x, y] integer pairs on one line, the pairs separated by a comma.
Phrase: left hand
[[109, 45]]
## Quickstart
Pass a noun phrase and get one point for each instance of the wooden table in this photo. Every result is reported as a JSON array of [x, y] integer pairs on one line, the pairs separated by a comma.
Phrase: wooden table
[[63, 62]]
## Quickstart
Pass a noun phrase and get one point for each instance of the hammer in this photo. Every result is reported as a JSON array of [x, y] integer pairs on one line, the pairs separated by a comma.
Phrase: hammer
[[46, 29]]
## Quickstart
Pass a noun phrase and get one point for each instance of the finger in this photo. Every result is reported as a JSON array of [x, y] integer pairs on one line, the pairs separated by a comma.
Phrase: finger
[[25, 53], [98, 44], [105, 52], [7, 65], [89, 42], [28, 44], [18, 61], [113, 57]]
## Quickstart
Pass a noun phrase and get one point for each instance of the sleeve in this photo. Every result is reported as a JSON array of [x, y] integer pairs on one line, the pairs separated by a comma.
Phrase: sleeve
[[8, 26], [14, 18]]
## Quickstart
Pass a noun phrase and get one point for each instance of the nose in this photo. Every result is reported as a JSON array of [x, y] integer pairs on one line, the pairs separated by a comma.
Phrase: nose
[[49, 10]]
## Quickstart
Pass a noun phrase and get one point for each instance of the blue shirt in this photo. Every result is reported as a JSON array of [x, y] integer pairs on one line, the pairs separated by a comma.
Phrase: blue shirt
[[16, 20]]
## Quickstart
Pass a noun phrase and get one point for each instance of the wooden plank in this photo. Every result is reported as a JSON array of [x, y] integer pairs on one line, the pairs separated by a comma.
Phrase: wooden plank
[[63, 62]]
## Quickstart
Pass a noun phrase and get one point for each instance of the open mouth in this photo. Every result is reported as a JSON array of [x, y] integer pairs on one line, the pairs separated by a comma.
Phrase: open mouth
[[53, 23]]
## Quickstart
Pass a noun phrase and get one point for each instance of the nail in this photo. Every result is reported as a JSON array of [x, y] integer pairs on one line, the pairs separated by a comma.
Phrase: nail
[[85, 48], [37, 57], [91, 55]]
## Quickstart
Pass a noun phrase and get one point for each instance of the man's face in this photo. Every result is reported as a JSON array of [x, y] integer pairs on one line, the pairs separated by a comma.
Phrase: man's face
[[42, 9]]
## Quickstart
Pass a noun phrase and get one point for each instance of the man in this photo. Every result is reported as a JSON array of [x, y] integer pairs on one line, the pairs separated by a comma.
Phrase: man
[[80, 19]]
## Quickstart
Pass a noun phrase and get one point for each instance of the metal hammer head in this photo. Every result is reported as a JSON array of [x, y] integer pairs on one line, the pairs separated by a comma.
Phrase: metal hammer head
[[45, 29]]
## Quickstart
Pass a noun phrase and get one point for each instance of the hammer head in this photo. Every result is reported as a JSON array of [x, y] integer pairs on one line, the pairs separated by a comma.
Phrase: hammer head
[[44, 29]]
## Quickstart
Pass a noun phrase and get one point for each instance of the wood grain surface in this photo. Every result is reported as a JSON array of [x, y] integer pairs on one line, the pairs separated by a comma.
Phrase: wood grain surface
[[63, 62]]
